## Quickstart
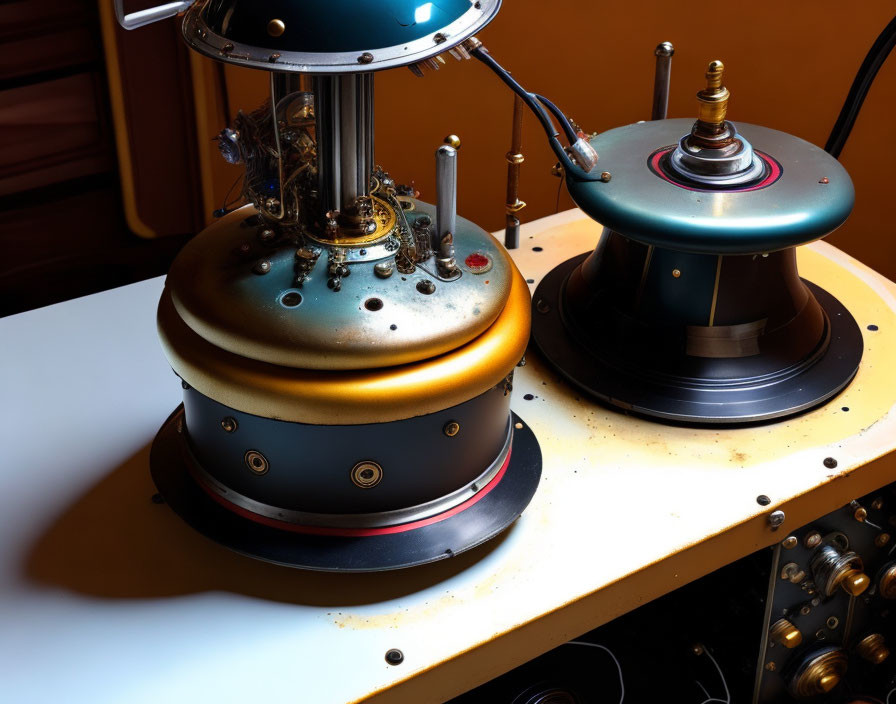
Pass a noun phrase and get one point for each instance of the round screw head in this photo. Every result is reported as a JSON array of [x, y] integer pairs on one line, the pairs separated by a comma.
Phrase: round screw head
[[451, 428], [830, 462], [229, 424], [262, 266], [812, 540], [776, 518], [789, 542], [276, 28], [365, 58], [394, 656], [763, 500]]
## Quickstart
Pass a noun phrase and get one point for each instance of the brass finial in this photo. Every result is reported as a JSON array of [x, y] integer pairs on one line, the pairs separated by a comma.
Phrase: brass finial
[[452, 140], [713, 100]]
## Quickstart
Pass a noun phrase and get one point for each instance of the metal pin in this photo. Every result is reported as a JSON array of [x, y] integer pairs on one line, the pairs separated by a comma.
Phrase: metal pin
[[446, 207], [661, 80]]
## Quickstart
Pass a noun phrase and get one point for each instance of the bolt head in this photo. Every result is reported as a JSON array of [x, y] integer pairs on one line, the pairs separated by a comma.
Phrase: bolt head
[[776, 518], [789, 542], [812, 540], [451, 428], [394, 656], [276, 28]]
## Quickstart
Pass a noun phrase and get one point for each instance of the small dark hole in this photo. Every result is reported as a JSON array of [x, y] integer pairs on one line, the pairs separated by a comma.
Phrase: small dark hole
[[373, 304], [873, 328], [763, 500], [393, 326], [530, 281], [528, 397], [366, 474], [291, 299], [537, 249], [256, 462], [845, 408]]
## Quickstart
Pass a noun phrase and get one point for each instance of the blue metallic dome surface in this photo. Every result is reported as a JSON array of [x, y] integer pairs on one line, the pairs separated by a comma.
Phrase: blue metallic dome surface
[[812, 196], [333, 36]]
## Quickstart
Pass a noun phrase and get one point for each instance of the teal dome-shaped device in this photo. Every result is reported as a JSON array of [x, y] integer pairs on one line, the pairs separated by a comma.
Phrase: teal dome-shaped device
[[691, 308], [338, 36]]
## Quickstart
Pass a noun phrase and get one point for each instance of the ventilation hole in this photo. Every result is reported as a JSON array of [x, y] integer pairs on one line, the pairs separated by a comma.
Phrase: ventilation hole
[[373, 304], [291, 299]]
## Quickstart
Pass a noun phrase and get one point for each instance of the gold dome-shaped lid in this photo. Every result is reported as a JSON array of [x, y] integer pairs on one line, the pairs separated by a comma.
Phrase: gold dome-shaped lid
[[272, 298]]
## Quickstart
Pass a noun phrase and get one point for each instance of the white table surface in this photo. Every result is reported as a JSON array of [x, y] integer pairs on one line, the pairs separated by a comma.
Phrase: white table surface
[[108, 597]]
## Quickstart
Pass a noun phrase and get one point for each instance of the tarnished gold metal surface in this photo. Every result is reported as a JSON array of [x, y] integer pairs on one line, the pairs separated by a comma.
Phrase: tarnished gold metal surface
[[385, 219], [350, 397], [233, 300]]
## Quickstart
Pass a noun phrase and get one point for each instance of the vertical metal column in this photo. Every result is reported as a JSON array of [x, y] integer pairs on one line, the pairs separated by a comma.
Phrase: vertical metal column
[[345, 140], [662, 76]]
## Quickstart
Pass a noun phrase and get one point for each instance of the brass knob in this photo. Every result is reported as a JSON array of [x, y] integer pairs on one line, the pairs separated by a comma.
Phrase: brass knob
[[452, 140], [855, 583], [887, 583], [873, 649], [785, 633], [713, 100], [819, 673]]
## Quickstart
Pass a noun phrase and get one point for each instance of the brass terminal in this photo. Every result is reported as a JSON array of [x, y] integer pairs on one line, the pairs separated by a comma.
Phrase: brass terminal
[[710, 131], [873, 649], [887, 585], [785, 633], [713, 100], [819, 675], [855, 582]]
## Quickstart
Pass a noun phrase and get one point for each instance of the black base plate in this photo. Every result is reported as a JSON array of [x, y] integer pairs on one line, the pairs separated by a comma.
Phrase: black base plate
[[465, 530], [699, 401]]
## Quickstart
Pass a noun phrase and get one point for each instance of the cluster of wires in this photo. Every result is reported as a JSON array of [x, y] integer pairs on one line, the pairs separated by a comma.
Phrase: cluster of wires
[[543, 109]]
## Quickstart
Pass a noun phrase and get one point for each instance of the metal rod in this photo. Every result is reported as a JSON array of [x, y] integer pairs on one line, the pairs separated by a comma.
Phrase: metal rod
[[446, 193], [514, 162], [343, 107], [664, 52]]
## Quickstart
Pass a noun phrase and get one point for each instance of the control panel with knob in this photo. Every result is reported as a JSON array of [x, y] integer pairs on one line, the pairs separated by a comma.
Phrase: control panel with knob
[[828, 612]]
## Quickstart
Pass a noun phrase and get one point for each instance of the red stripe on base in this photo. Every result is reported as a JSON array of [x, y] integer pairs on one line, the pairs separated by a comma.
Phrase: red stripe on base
[[773, 174], [355, 532]]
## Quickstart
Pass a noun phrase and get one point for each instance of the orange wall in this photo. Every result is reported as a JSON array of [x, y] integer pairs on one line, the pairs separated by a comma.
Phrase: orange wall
[[789, 65]]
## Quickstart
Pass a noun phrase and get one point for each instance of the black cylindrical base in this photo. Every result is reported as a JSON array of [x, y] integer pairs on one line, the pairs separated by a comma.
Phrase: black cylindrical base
[[755, 344], [492, 509]]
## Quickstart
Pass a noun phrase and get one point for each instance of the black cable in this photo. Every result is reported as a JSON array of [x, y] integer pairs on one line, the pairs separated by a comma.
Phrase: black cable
[[878, 53], [536, 107], [570, 131]]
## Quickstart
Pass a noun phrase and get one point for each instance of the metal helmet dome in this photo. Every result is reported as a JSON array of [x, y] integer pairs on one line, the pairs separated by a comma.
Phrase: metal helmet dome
[[333, 37]]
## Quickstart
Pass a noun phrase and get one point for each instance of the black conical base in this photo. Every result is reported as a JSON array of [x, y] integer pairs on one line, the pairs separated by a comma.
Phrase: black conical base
[[436, 539], [600, 366]]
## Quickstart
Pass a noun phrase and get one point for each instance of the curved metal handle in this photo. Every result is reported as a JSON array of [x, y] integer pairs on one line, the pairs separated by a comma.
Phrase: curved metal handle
[[150, 15]]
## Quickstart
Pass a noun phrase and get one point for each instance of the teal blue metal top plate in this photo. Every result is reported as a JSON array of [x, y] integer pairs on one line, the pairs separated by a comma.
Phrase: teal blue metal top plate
[[337, 36], [812, 197]]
